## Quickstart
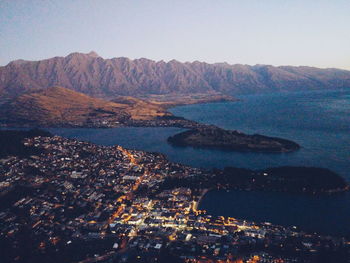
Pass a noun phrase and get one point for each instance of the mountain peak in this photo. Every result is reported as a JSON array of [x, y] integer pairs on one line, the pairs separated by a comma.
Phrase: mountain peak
[[18, 62], [93, 54]]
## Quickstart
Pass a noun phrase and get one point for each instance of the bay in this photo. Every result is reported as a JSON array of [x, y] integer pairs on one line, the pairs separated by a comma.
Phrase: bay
[[319, 121]]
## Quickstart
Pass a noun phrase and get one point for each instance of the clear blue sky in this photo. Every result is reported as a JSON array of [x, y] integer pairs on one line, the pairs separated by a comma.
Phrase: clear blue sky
[[276, 32]]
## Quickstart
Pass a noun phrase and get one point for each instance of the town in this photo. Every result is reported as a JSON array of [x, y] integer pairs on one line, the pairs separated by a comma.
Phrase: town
[[81, 202]]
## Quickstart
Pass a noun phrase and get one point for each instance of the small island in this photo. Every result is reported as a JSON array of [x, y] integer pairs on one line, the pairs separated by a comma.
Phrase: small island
[[215, 137]]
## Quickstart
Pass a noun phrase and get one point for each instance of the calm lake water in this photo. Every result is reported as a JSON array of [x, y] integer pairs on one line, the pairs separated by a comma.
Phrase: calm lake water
[[318, 121]]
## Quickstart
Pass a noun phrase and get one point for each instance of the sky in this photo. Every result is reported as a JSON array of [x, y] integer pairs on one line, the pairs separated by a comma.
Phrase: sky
[[275, 32]]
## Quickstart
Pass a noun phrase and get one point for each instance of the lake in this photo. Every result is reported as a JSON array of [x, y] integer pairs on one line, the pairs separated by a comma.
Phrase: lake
[[319, 121]]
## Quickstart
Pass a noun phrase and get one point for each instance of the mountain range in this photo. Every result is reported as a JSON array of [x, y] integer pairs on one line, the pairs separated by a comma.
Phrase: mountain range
[[108, 78]]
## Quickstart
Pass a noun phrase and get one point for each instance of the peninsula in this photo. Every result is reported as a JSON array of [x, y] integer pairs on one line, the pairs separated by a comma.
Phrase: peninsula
[[61, 107], [215, 137]]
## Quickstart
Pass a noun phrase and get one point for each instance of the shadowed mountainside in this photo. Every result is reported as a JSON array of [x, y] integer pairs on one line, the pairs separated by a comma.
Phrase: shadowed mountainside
[[107, 78]]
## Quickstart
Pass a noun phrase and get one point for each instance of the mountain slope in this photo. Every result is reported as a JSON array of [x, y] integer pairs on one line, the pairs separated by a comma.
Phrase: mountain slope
[[108, 78], [58, 106]]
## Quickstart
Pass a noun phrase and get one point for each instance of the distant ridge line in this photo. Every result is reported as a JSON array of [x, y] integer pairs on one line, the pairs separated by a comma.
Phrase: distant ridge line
[[107, 78]]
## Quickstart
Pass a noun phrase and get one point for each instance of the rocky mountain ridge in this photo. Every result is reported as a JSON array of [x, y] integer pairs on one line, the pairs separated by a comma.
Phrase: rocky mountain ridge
[[107, 78]]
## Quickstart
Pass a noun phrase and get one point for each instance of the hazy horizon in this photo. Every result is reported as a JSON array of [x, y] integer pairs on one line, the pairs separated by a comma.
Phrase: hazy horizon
[[296, 33]]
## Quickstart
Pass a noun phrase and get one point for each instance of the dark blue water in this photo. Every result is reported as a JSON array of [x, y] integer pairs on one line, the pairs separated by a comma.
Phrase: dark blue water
[[321, 214], [318, 121]]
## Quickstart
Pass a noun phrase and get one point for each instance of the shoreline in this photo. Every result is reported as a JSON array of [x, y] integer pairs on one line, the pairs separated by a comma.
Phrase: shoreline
[[197, 203], [251, 186]]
